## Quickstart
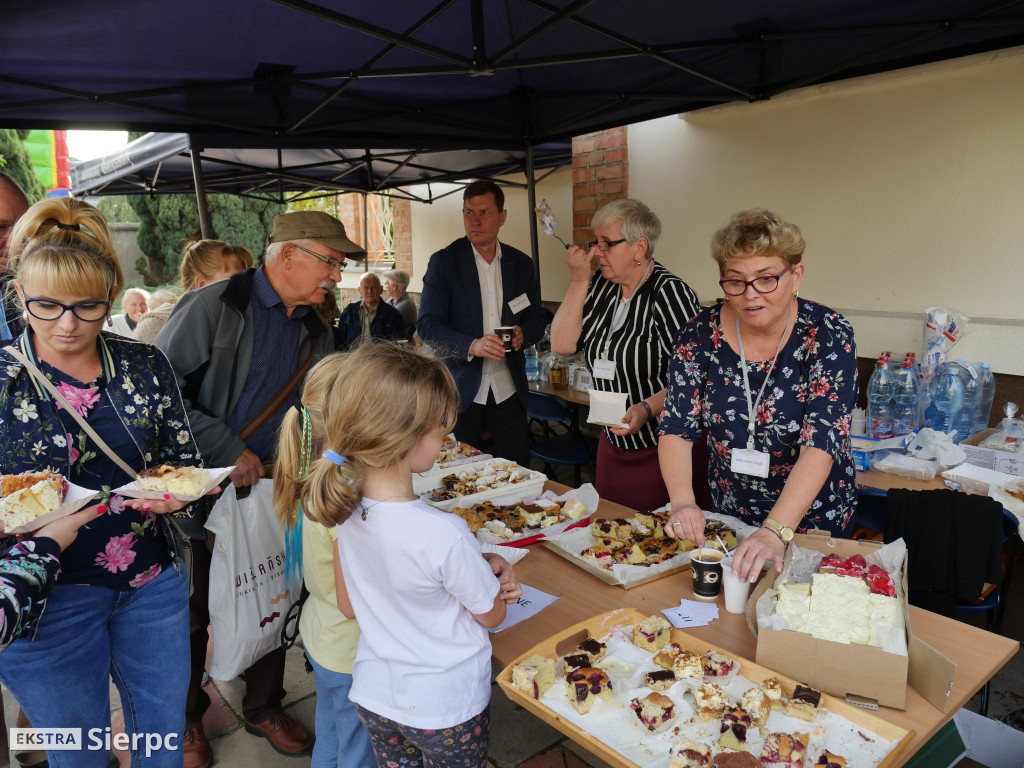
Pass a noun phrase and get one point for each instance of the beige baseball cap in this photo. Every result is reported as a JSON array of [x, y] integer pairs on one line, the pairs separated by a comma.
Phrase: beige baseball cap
[[315, 225]]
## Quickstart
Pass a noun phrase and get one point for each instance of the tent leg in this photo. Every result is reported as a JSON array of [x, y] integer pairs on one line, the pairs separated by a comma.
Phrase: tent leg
[[204, 211], [531, 198]]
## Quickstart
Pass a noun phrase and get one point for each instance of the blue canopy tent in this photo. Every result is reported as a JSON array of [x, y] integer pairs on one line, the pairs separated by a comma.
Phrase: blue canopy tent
[[449, 74]]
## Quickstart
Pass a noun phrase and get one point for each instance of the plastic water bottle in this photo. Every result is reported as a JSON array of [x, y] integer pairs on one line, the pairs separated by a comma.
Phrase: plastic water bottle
[[947, 396], [968, 416], [879, 401], [988, 394], [532, 366], [904, 398]]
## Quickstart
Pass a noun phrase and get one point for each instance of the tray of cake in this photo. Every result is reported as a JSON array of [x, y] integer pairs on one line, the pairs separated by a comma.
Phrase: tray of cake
[[631, 551], [512, 518], [640, 694], [455, 452], [476, 481], [30, 500]]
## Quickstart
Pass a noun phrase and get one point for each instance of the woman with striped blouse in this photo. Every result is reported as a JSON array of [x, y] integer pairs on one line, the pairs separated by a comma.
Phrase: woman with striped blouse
[[626, 315]]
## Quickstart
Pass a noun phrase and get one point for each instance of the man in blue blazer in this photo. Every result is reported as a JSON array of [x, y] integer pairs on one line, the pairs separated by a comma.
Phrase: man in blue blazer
[[471, 287]]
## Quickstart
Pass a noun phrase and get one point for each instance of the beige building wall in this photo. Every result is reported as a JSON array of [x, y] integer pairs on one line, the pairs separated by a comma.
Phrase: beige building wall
[[908, 187]]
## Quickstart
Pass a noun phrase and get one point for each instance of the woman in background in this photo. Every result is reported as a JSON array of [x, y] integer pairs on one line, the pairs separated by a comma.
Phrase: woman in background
[[135, 304], [396, 283], [203, 262]]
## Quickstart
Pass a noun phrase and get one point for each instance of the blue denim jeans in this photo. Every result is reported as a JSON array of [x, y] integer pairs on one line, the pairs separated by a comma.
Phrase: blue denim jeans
[[88, 635], [341, 739]]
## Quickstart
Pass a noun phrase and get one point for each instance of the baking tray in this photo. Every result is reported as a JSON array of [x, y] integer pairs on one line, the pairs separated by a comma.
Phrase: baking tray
[[600, 625], [424, 482], [640, 574]]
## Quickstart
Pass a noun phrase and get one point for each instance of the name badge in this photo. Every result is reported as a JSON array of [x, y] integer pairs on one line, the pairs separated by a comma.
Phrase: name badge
[[519, 303], [604, 369], [748, 462]]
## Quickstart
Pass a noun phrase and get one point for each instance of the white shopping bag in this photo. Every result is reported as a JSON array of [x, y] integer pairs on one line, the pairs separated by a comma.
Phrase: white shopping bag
[[249, 590]]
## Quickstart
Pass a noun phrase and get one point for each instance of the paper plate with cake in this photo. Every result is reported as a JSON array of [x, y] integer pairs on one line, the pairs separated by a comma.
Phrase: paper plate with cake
[[30, 500], [183, 483], [512, 518]]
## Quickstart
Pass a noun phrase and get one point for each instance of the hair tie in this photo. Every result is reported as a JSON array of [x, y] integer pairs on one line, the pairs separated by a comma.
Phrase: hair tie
[[334, 458], [72, 227]]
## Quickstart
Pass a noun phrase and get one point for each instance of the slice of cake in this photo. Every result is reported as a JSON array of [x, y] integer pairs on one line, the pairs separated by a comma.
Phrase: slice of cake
[[784, 750], [576, 661], [757, 705], [584, 686], [610, 542], [666, 656], [804, 703], [30, 495], [499, 528], [652, 634], [735, 760], [710, 701], [660, 679], [536, 515], [534, 675], [470, 516], [654, 710], [829, 760], [629, 555], [688, 666], [689, 754], [183, 481], [616, 528], [598, 554], [719, 668], [594, 649], [735, 723], [772, 688], [573, 509]]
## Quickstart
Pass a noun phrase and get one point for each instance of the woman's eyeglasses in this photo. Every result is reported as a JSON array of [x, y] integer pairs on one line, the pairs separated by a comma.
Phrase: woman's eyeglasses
[[763, 284], [603, 245], [86, 311]]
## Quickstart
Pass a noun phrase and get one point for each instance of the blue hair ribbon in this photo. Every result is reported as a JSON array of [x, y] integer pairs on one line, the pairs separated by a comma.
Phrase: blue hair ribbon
[[334, 457]]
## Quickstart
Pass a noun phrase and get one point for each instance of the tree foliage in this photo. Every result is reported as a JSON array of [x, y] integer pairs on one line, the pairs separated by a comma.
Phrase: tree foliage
[[167, 222], [16, 163]]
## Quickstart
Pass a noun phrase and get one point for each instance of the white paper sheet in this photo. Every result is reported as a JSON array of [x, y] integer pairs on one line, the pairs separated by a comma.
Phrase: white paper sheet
[[607, 408], [532, 602]]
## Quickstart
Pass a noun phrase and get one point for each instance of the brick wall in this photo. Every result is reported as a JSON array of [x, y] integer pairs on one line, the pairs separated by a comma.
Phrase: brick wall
[[600, 173], [402, 213]]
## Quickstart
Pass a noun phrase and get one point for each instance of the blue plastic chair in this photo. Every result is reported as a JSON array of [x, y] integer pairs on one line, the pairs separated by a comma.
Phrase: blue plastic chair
[[566, 449]]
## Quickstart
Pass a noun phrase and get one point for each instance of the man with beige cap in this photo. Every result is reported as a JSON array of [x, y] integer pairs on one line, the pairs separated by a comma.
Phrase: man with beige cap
[[240, 348]]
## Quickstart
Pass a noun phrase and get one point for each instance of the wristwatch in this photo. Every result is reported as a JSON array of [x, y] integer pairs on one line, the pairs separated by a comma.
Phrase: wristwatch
[[784, 532]]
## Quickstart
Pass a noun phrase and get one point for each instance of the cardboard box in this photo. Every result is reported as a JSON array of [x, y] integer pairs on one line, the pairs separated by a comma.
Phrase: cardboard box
[[862, 448], [1000, 461], [842, 669]]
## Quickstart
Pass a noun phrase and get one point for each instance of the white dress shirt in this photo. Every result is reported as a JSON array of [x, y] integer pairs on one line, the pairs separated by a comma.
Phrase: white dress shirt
[[496, 375]]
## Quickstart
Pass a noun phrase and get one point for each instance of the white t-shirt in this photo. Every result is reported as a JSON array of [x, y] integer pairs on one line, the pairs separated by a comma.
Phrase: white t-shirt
[[415, 575]]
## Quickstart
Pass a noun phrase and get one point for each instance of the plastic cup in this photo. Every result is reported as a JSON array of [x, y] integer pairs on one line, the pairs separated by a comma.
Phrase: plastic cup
[[736, 591], [706, 568], [505, 333]]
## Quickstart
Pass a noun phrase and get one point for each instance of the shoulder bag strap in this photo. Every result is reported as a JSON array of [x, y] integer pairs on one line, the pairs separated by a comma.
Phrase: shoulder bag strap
[[256, 421], [41, 378]]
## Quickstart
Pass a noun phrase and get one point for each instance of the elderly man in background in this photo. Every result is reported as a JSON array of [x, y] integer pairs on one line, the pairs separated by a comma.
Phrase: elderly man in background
[[240, 348], [135, 304], [471, 287], [13, 203], [369, 318], [396, 283]]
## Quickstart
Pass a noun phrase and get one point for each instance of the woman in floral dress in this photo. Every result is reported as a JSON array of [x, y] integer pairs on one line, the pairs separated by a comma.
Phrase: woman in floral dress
[[772, 379], [120, 607]]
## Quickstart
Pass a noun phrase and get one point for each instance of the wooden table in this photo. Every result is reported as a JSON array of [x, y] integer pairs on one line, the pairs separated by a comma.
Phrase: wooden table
[[574, 396], [978, 654]]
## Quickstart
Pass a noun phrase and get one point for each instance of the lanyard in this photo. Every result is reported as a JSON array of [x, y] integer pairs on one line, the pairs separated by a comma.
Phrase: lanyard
[[752, 407]]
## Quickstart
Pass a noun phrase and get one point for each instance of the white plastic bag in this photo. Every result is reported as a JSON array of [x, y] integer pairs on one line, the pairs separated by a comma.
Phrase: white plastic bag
[[249, 593]]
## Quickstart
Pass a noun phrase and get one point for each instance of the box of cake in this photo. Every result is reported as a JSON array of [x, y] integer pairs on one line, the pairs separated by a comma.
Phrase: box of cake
[[855, 669]]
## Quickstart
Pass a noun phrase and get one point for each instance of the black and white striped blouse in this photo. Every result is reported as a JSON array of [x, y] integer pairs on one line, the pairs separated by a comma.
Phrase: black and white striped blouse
[[642, 348]]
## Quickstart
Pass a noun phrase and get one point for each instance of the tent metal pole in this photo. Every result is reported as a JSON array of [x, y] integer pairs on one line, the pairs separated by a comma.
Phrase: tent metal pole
[[531, 198], [366, 233], [204, 211]]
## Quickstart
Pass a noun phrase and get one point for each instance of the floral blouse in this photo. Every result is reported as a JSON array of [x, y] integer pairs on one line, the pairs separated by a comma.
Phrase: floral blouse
[[809, 401], [135, 406], [28, 571]]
